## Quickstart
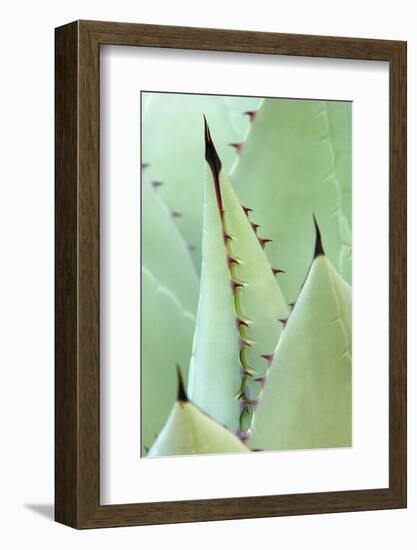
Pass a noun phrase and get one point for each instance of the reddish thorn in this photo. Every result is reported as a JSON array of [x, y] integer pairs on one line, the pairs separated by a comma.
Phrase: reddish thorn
[[263, 242], [251, 115], [227, 237], [231, 260], [244, 343], [283, 322], [246, 210], [292, 304], [269, 358], [157, 184], [243, 407], [261, 380], [239, 323], [255, 226], [244, 373], [243, 436], [234, 286], [253, 402], [276, 271], [237, 146], [176, 214]]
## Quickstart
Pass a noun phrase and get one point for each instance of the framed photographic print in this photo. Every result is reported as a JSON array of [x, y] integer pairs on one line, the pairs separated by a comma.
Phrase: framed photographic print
[[230, 274]]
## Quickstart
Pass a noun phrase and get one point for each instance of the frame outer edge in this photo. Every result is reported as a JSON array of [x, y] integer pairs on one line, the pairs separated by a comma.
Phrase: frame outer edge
[[398, 274], [66, 275]]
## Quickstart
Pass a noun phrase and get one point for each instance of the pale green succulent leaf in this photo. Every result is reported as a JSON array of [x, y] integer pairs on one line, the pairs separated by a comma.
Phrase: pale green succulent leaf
[[172, 145], [307, 398], [164, 251], [190, 431], [340, 132], [239, 311], [286, 170], [169, 290], [167, 335]]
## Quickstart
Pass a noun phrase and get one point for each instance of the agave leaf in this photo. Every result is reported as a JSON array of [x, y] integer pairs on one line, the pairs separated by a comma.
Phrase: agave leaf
[[172, 145], [189, 431], [286, 170], [164, 252], [239, 308], [339, 115], [340, 130], [307, 398], [169, 296]]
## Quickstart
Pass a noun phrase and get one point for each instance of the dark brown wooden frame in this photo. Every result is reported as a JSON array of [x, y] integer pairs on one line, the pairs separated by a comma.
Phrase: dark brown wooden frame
[[77, 274]]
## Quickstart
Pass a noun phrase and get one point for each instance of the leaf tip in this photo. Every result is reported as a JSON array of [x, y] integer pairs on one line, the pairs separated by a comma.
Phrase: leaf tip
[[182, 394], [318, 248], [211, 154]]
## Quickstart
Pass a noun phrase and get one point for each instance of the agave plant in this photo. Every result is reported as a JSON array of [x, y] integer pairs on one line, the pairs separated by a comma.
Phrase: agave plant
[[262, 330]]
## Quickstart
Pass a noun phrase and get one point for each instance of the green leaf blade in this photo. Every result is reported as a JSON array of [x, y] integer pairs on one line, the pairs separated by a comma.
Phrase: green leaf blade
[[172, 145], [169, 291], [190, 431], [307, 400], [286, 171], [239, 309]]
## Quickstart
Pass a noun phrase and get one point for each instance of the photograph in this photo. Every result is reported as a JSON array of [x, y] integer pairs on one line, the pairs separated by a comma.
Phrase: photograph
[[246, 274]]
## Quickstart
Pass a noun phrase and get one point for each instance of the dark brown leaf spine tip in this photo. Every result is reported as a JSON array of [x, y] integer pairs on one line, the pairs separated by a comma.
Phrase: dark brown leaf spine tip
[[227, 237], [318, 249], [264, 242], [176, 214], [144, 165], [275, 271], [182, 395], [255, 226], [211, 154], [157, 184], [251, 115], [283, 321], [237, 146], [292, 304]]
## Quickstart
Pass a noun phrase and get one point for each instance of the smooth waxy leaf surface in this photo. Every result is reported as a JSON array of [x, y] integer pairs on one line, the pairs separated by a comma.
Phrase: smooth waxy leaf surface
[[340, 132], [189, 431], [287, 170], [307, 399], [164, 252], [169, 289], [172, 145]]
